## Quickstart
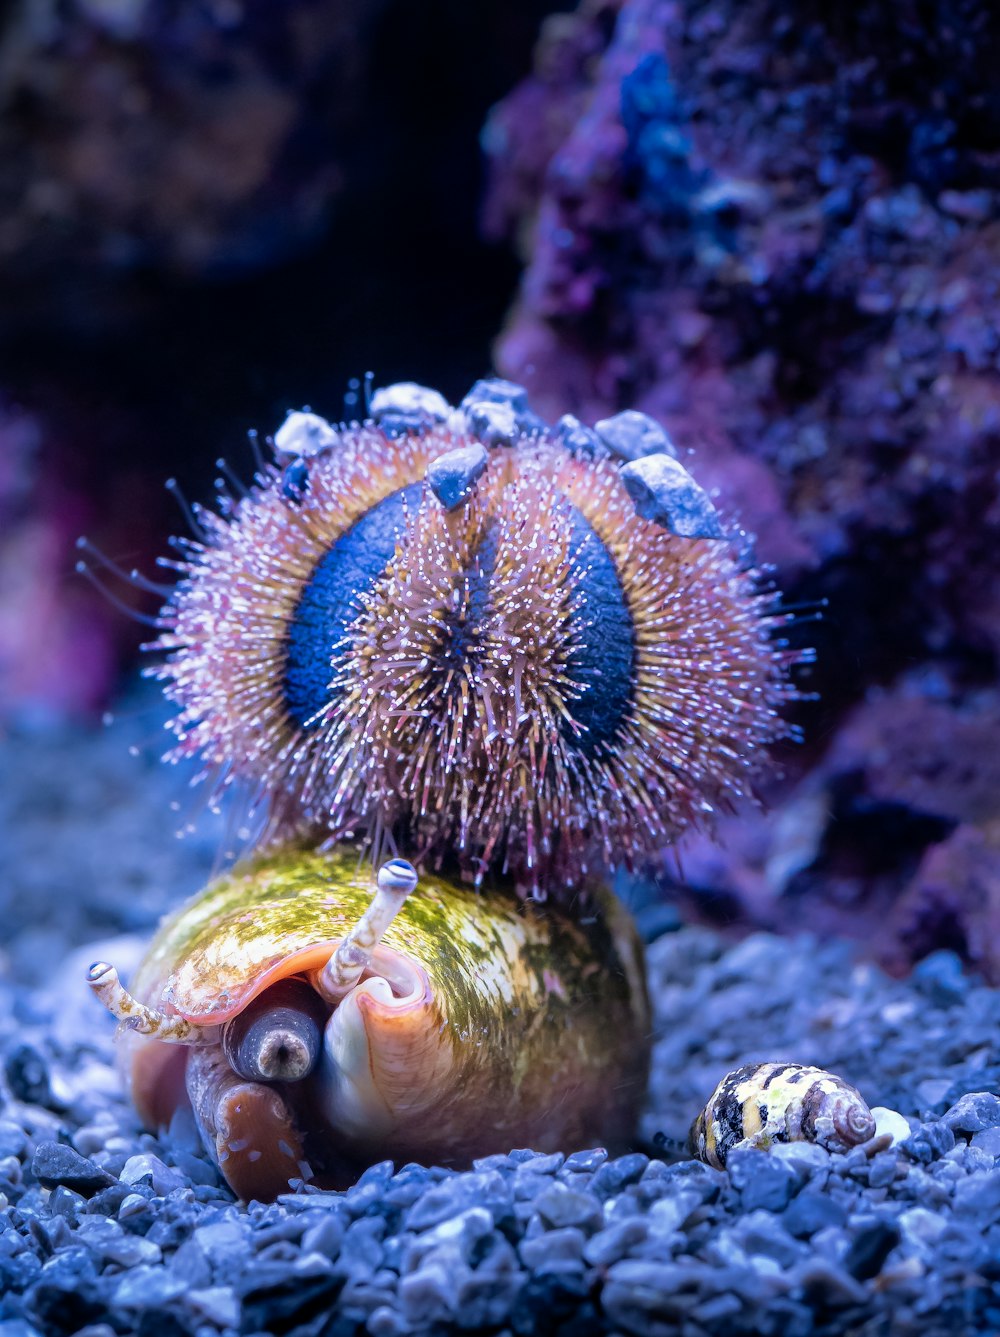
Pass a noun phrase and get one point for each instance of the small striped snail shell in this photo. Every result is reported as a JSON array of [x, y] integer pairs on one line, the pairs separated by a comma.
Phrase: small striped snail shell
[[315, 1028], [763, 1103]]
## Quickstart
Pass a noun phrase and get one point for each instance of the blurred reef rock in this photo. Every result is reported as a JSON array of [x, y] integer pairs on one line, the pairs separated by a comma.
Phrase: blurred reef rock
[[191, 138], [777, 230], [58, 655]]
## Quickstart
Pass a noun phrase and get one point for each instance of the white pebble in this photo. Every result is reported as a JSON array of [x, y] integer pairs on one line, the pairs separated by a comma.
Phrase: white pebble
[[889, 1121]]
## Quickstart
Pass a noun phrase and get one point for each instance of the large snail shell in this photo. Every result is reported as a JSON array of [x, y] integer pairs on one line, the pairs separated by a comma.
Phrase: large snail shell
[[481, 1024]]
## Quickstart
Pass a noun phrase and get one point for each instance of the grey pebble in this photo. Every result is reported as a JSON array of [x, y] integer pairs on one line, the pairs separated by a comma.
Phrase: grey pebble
[[27, 1074], [929, 1142], [543, 1165], [494, 424], [194, 1169], [670, 1213], [65, 1202], [554, 1249], [632, 435], [616, 1241], [922, 1226], [453, 475], [760, 1180], [941, 978], [665, 493], [973, 1113], [615, 1175], [578, 439], [979, 1195], [361, 1247], [325, 1237], [217, 1305], [454, 1239], [763, 1234], [13, 1139], [496, 390], [988, 1141], [428, 1296], [806, 1159], [147, 1287], [149, 1169], [54, 1163], [883, 1169], [975, 1158], [560, 1206], [870, 1247], [190, 1264], [484, 1298], [386, 1321], [580, 1161], [827, 1283], [647, 1297]]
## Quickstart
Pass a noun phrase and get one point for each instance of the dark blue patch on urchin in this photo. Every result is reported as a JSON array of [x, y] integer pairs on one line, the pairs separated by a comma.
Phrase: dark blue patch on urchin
[[603, 662], [328, 603]]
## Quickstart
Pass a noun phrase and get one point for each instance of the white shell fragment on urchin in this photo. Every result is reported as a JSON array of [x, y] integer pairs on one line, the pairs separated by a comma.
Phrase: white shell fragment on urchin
[[632, 435], [665, 493], [453, 475], [304, 433], [407, 404]]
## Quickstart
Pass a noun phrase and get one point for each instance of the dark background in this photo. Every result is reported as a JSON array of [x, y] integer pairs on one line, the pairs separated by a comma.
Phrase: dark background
[[135, 364]]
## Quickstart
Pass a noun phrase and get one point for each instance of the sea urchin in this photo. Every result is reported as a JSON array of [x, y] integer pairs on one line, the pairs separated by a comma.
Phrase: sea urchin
[[480, 635]]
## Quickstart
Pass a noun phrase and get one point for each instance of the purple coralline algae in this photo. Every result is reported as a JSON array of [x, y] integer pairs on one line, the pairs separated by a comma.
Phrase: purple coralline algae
[[776, 233]]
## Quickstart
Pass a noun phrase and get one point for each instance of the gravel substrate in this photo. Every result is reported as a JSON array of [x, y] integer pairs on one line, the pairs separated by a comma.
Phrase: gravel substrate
[[105, 1229]]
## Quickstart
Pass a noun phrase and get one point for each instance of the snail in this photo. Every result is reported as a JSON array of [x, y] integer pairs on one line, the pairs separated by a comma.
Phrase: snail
[[763, 1103], [519, 654], [315, 1027]]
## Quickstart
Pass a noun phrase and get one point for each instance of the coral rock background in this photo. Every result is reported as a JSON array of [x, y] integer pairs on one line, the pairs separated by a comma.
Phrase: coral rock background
[[777, 232]]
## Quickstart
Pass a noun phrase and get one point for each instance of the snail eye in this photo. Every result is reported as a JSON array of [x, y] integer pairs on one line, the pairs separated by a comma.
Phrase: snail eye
[[397, 875]]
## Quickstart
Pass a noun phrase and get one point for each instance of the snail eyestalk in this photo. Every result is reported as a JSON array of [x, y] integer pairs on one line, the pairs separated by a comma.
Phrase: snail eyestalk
[[396, 880], [279, 1036], [103, 979]]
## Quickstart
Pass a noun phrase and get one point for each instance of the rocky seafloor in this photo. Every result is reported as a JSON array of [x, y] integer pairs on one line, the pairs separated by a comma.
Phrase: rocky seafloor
[[107, 1229]]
